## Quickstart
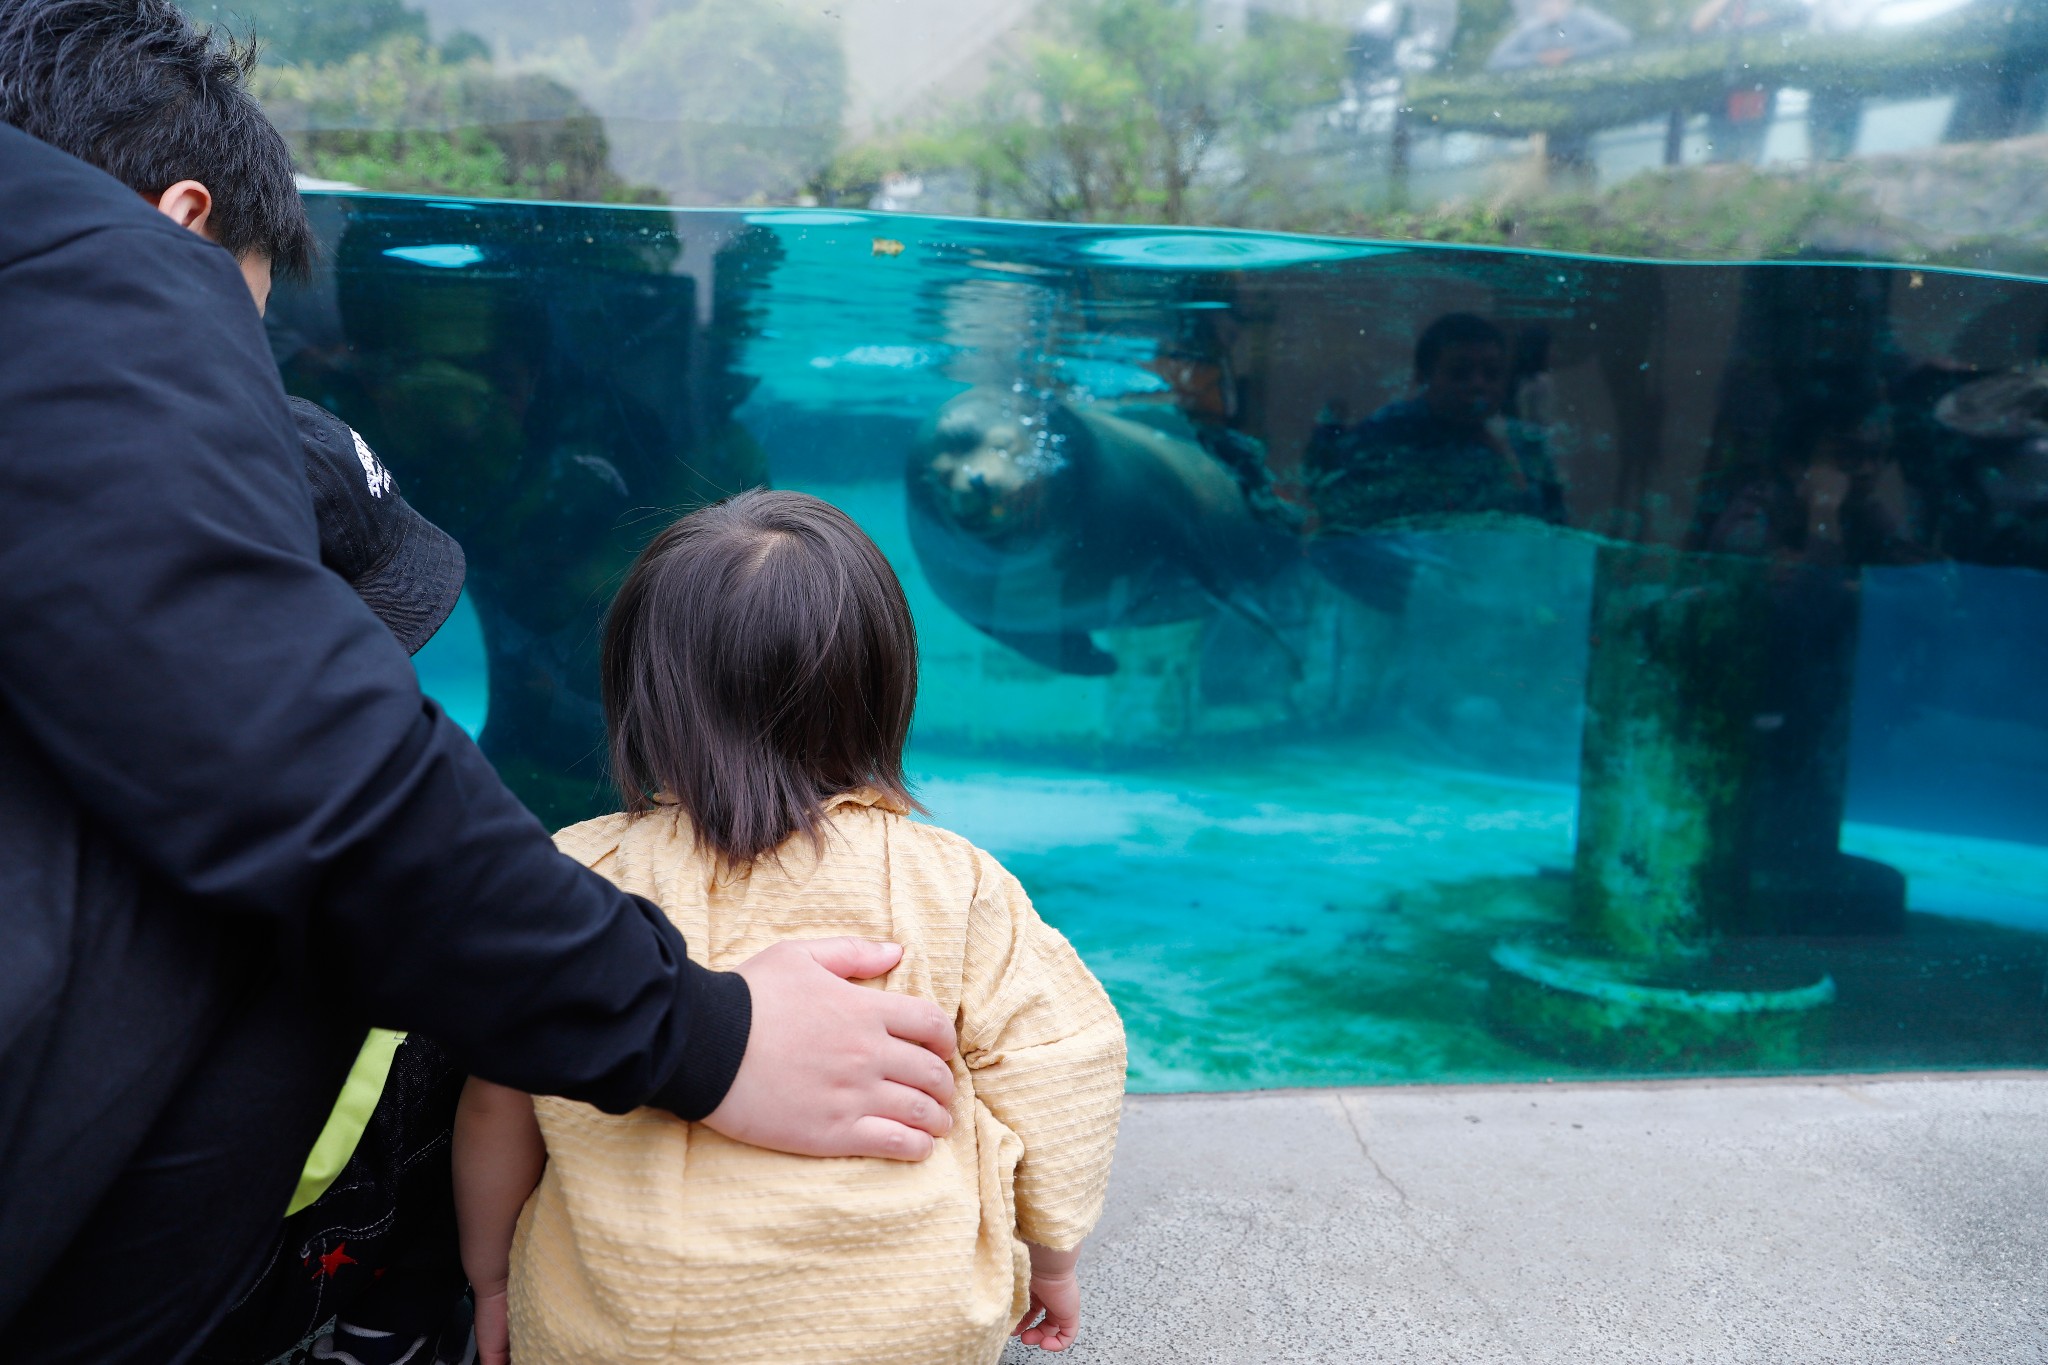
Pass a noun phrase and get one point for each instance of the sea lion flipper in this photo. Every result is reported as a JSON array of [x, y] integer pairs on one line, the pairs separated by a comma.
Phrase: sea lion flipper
[[1250, 610], [1376, 570], [1071, 652]]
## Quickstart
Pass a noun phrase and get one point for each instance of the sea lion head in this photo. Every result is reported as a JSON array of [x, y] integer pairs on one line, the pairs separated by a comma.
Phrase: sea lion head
[[996, 465]]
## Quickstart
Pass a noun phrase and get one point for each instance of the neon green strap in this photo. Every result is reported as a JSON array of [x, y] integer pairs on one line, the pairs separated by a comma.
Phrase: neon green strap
[[359, 1096]]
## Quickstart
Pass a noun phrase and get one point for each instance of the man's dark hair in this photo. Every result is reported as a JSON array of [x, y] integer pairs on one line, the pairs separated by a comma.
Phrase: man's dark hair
[[1454, 329], [136, 89], [759, 660]]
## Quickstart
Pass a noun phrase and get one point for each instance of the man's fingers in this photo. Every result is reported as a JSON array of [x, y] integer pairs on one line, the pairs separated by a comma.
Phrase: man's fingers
[[908, 1064], [919, 1021], [872, 1136], [856, 959], [912, 1108]]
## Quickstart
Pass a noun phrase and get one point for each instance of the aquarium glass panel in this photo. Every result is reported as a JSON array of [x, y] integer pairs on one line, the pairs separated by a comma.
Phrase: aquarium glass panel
[[1901, 130], [1384, 663]]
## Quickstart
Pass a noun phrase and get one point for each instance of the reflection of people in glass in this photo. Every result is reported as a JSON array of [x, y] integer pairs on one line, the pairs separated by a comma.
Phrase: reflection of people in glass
[[1829, 493], [1447, 450], [1815, 494], [533, 421], [1204, 386], [1740, 120], [1553, 32], [1532, 394], [1991, 493], [1742, 16], [1391, 36]]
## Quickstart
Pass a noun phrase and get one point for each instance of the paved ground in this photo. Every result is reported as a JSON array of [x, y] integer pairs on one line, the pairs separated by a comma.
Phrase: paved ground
[[1850, 1220]]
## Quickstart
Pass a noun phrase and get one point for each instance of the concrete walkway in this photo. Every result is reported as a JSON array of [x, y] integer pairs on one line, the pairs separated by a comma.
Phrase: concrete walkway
[[1846, 1220]]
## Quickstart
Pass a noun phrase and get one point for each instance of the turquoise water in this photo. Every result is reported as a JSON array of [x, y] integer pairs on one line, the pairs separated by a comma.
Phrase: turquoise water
[[1697, 651], [454, 669]]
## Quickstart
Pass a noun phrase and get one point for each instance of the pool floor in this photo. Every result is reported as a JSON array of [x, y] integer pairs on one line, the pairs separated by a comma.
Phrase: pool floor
[[1324, 915]]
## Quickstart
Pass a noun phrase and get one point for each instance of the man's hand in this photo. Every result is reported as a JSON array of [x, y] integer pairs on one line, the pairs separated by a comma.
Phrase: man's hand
[[832, 1069]]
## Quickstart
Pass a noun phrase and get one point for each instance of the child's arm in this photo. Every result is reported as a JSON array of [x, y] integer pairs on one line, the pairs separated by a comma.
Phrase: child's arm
[[1054, 1318], [498, 1159], [1046, 1052]]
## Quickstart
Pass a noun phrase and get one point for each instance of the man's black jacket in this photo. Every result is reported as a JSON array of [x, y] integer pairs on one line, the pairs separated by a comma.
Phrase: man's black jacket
[[215, 763]]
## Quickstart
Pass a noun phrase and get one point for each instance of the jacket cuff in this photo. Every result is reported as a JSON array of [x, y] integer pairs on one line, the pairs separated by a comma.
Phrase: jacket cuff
[[720, 1013]]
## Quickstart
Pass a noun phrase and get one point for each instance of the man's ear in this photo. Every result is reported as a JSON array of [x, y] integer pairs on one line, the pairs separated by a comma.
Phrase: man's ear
[[188, 204]]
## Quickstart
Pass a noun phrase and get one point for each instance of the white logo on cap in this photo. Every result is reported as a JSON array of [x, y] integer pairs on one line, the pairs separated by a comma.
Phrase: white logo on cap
[[379, 477]]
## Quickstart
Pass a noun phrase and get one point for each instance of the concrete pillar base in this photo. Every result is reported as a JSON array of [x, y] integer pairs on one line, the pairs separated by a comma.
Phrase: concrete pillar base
[[1833, 894], [1566, 999]]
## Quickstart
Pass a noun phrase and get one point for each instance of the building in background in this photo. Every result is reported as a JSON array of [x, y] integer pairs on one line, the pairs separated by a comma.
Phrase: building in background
[[1849, 128]]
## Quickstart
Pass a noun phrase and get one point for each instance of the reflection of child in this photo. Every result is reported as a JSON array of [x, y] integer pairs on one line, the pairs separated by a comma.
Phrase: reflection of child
[[1828, 493], [760, 670]]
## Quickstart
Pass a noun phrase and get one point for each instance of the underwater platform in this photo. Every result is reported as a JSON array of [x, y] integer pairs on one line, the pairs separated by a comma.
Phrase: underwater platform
[[1866, 1218]]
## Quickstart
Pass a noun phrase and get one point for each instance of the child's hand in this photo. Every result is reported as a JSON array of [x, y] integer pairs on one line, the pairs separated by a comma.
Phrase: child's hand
[[493, 1330], [1054, 1318]]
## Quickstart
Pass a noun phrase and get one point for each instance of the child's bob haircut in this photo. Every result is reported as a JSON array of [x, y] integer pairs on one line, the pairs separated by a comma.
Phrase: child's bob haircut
[[759, 660]]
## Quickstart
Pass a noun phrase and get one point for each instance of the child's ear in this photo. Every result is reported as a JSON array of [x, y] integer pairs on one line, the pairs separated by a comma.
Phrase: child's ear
[[188, 204]]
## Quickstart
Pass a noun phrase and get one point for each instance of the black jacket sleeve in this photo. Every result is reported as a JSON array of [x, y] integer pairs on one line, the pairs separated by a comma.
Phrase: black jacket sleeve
[[246, 727]]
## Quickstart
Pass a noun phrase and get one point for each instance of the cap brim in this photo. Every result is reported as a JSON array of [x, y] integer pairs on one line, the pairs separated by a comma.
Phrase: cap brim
[[416, 587]]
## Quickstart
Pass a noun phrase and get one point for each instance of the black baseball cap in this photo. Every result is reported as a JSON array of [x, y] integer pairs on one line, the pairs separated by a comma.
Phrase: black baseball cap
[[406, 568]]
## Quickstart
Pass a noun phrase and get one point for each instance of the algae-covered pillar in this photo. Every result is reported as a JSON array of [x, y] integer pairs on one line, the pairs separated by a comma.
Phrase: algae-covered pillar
[[1677, 649], [1685, 759]]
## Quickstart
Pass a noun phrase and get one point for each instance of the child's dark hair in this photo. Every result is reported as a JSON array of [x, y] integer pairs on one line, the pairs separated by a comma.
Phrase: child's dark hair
[[1454, 329], [759, 660], [136, 89]]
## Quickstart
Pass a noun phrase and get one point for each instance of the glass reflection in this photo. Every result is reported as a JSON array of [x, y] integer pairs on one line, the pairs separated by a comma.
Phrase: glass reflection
[[1383, 663], [1452, 447], [1710, 129]]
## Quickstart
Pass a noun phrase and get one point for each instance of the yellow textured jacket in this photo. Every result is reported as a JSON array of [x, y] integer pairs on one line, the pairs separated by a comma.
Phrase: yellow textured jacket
[[652, 1239]]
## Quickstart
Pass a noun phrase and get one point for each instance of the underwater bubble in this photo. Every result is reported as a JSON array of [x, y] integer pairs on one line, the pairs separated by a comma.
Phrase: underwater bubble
[[442, 256], [1011, 267], [1110, 378], [803, 218], [878, 357], [1219, 251]]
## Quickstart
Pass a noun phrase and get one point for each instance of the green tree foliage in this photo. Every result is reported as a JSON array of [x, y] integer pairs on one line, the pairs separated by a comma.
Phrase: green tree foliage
[[313, 31], [522, 29], [403, 117], [719, 101], [1698, 213], [1132, 110]]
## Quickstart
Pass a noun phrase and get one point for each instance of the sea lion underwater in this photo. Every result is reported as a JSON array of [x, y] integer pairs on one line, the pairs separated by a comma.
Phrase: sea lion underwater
[[1040, 522]]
